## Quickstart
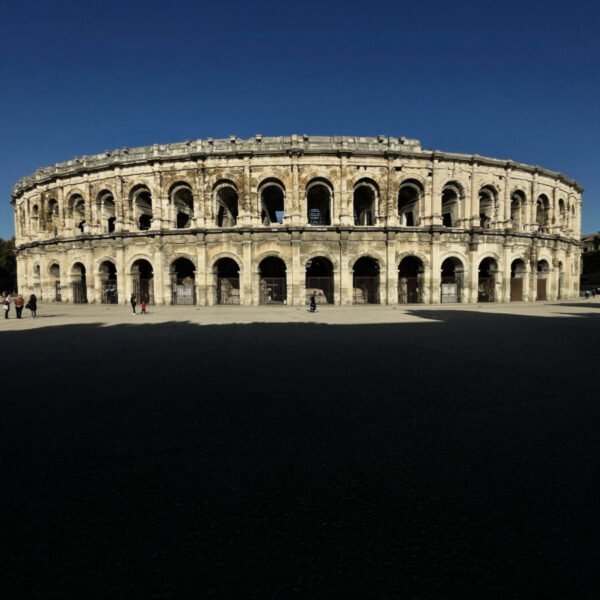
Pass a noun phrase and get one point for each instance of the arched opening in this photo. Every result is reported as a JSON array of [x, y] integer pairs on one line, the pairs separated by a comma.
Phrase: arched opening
[[54, 272], [141, 207], [107, 211], [452, 279], [543, 276], [79, 283], [272, 203], [487, 206], [227, 200], [182, 201], [108, 283], [319, 280], [273, 284], [318, 203], [562, 213], [227, 272], [365, 203], [52, 217], [77, 213], [365, 281], [409, 196], [517, 210], [410, 280], [518, 269], [142, 280], [183, 281], [486, 284], [542, 212], [451, 196]]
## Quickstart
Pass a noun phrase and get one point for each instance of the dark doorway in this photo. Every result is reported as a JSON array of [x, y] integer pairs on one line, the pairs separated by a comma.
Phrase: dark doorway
[[319, 280], [273, 284], [366, 281], [486, 284], [108, 283], [410, 280], [452, 280], [142, 280], [183, 282], [79, 284], [228, 281], [517, 277]]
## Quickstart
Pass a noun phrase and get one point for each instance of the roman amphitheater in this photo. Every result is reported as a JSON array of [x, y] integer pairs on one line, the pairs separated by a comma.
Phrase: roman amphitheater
[[270, 220]]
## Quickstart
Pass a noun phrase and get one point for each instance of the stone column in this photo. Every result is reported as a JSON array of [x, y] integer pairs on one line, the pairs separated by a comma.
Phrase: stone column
[[346, 208], [201, 271], [296, 279], [391, 211], [158, 280], [504, 274], [346, 273], [507, 184], [246, 292], [392, 269], [434, 290], [531, 225], [471, 276], [474, 219], [246, 206], [198, 197], [436, 194], [296, 216]]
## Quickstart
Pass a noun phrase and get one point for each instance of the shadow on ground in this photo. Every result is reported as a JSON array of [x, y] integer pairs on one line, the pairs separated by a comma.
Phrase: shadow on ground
[[448, 459]]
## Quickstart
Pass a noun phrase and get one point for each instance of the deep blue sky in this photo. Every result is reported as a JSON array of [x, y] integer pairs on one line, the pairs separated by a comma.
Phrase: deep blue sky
[[517, 80]]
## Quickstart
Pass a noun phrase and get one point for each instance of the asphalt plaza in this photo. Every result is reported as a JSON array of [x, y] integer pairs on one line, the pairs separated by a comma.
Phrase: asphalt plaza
[[268, 452]]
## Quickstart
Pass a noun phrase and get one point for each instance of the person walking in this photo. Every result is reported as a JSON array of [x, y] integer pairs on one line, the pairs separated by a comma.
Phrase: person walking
[[32, 305], [6, 299], [143, 306], [313, 302], [133, 301], [19, 302]]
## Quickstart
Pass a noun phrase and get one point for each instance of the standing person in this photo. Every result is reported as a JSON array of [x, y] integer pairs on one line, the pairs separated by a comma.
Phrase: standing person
[[133, 301], [19, 302], [143, 306], [32, 305], [5, 304], [313, 302]]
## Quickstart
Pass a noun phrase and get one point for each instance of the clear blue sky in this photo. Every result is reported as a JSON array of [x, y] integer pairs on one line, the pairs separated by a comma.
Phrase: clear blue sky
[[517, 80]]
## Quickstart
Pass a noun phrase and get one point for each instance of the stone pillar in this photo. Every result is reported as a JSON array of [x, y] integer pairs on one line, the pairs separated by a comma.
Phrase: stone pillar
[[507, 184], [391, 211], [198, 198], [296, 216], [246, 209], [246, 292], [436, 194], [346, 273], [531, 224], [434, 289], [158, 279], [474, 213], [471, 276], [392, 270], [504, 274], [201, 271], [346, 208], [123, 278], [296, 279]]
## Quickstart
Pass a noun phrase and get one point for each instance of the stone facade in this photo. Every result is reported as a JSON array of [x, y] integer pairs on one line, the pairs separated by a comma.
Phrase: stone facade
[[270, 220]]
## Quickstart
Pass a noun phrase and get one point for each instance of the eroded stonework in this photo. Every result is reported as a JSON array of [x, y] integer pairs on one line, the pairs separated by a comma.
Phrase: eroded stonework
[[273, 220]]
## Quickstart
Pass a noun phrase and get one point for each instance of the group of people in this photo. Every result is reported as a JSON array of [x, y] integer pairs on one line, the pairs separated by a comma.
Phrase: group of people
[[19, 303], [143, 304]]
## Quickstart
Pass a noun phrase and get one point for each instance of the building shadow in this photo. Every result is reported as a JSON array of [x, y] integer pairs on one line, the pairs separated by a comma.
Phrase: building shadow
[[456, 458]]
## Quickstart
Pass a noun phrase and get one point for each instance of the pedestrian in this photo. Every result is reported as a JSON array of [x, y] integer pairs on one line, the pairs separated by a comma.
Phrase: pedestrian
[[133, 301], [313, 302], [593, 292], [143, 306], [6, 299], [19, 302], [32, 305]]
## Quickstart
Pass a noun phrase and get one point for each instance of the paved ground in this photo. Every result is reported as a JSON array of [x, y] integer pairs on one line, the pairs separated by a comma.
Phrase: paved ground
[[233, 452]]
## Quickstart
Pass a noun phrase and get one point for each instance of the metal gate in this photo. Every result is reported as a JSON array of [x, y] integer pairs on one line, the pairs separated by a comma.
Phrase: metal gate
[[228, 290], [366, 289], [449, 290], [109, 293], [144, 289], [485, 289], [541, 289], [409, 290], [516, 289], [183, 293], [273, 290], [57, 292], [79, 292], [324, 285]]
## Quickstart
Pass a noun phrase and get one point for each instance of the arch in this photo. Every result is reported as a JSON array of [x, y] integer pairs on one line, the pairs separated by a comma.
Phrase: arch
[[486, 280], [410, 193], [54, 275], [542, 212], [142, 279], [319, 198], [106, 210], [107, 274], [518, 272], [79, 283], [365, 280], [181, 205], [325, 254], [268, 254], [562, 213], [226, 202], [214, 259], [141, 206], [488, 205], [518, 201], [271, 195], [52, 216], [420, 255], [452, 279], [365, 200], [542, 278], [410, 280], [453, 195], [183, 281], [226, 271], [319, 280], [272, 280]]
